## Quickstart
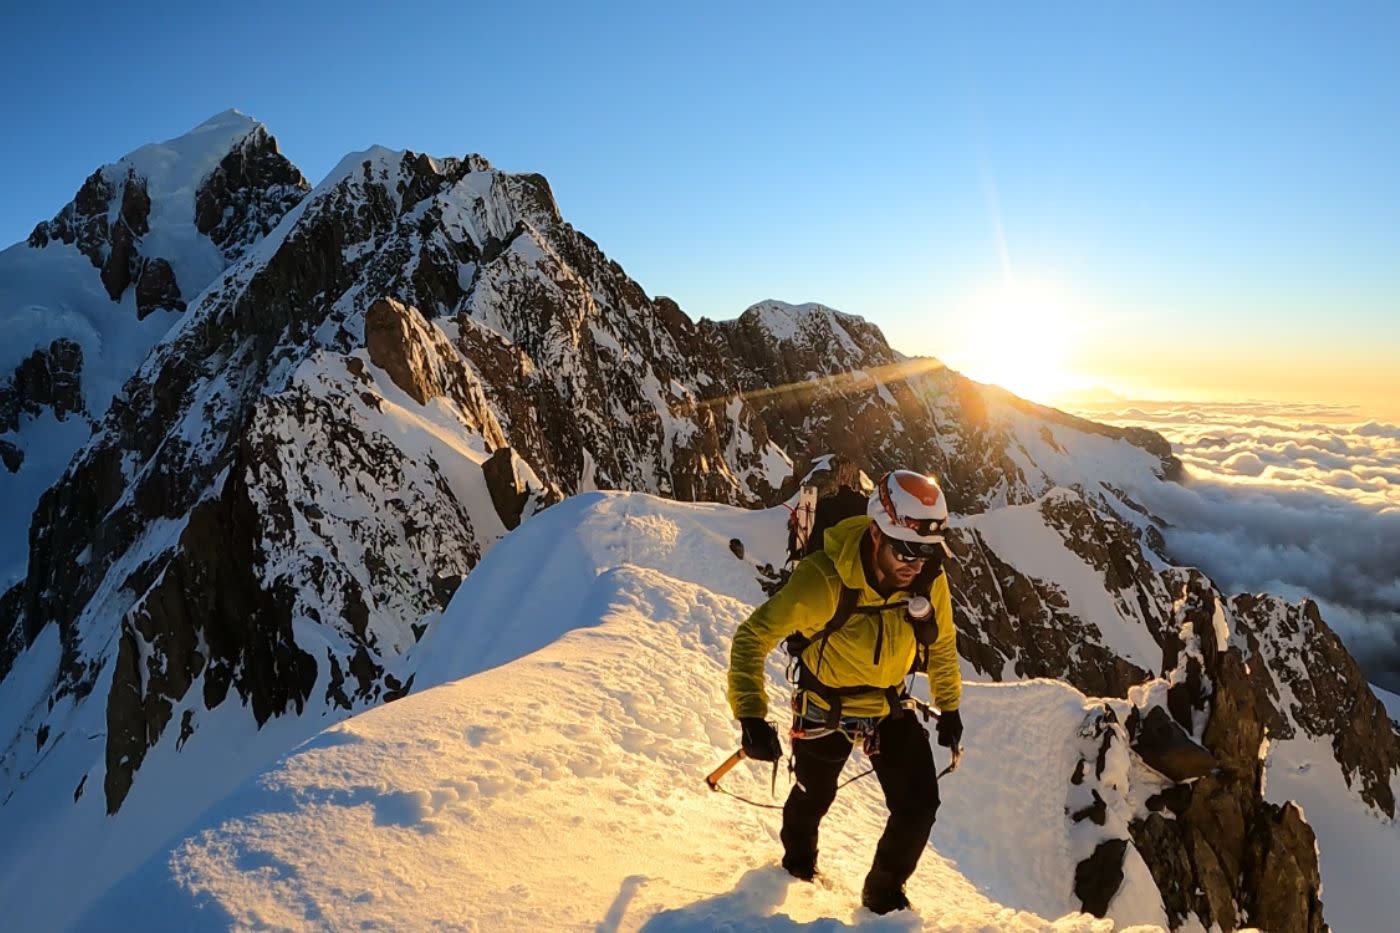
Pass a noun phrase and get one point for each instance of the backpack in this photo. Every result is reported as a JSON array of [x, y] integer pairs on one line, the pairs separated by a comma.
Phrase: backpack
[[813, 516]]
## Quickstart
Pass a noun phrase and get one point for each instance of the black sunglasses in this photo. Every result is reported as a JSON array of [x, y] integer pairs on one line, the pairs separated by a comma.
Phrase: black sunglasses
[[908, 552]]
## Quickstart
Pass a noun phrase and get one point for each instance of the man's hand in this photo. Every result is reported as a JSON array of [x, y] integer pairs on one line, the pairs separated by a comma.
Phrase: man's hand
[[760, 739], [950, 728]]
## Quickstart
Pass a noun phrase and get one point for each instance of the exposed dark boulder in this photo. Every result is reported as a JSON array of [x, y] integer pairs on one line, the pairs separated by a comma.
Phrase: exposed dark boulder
[[1284, 887], [1097, 878], [156, 288], [11, 456], [508, 494], [49, 378]]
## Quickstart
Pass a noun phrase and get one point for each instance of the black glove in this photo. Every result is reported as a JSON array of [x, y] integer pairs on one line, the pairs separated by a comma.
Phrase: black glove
[[950, 728], [760, 741]]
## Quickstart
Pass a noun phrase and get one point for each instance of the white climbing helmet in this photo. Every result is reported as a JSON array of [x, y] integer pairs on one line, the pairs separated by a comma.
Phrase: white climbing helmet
[[909, 506]]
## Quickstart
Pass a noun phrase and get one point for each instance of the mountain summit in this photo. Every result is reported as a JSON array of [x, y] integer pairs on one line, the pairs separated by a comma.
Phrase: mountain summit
[[97, 286]]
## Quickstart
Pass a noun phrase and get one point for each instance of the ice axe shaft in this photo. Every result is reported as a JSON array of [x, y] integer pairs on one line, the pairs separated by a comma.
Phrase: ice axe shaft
[[714, 777]]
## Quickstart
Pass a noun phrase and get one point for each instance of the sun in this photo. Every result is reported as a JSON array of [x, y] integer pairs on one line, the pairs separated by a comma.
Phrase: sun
[[1018, 336]]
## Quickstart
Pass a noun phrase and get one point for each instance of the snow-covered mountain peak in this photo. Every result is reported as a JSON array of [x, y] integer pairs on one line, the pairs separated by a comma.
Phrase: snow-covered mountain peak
[[180, 163], [809, 324], [90, 293]]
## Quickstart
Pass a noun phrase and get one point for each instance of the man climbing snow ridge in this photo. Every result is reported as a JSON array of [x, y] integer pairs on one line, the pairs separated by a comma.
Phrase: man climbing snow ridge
[[856, 621]]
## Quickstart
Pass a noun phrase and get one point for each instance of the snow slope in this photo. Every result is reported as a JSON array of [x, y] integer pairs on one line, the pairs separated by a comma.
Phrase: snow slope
[[1359, 846], [1020, 535], [552, 778]]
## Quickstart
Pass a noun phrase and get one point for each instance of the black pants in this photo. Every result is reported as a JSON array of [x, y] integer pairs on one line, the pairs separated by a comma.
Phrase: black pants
[[904, 765]]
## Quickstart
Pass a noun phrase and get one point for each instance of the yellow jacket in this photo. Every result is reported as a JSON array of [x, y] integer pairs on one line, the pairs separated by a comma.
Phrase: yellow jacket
[[808, 601]]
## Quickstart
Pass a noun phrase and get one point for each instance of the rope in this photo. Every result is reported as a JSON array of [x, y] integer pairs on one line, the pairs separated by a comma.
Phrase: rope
[[752, 803], [957, 753]]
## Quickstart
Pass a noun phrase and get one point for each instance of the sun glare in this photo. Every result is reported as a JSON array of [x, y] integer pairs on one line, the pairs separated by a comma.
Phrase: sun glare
[[1018, 336]]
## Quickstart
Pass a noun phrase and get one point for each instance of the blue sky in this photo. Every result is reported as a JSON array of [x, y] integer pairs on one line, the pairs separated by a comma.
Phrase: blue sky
[[1203, 188]]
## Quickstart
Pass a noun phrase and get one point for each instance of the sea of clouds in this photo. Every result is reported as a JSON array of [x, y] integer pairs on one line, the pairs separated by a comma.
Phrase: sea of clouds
[[1296, 500]]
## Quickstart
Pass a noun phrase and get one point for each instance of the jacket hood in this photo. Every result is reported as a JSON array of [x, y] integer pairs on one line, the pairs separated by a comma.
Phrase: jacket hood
[[842, 544]]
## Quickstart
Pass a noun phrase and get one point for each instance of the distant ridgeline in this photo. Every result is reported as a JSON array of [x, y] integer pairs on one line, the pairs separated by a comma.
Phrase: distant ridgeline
[[309, 413]]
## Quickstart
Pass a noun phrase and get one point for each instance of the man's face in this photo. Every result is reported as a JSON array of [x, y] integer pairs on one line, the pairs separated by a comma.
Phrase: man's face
[[888, 565]]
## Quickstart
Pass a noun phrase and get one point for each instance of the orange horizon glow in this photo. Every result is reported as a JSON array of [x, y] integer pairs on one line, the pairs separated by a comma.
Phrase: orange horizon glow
[[1048, 344]]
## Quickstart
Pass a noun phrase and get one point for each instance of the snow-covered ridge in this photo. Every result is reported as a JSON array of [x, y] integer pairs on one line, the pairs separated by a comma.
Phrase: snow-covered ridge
[[607, 687], [783, 321]]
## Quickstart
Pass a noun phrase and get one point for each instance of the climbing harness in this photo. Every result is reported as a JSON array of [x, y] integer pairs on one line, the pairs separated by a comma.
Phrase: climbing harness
[[854, 728], [860, 729]]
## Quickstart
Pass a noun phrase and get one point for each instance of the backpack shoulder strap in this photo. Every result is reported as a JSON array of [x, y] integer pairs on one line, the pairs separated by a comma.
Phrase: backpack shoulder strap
[[846, 602], [845, 605]]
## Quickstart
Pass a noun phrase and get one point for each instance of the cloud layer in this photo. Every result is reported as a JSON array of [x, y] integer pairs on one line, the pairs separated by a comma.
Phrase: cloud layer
[[1292, 500]]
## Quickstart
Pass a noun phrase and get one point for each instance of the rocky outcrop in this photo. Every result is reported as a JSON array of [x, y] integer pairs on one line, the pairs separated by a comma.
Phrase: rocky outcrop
[[307, 395], [248, 194], [82, 222], [1014, 624], [1225, 854], [111, 246], [48, 379], [203, 617], [1310, 683], [156, 288]]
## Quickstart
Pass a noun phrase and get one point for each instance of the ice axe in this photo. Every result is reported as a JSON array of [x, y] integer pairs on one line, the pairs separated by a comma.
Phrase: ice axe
[[714, 777]]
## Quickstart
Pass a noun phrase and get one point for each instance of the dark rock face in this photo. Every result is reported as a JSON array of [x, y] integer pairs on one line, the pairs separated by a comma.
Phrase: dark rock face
[[292, 373], [112, 248], [1287, 884], [1229, 856], [1097, 878], [248, 194], [1331, 698], [156, 288], [416, 359], [514, 498], [83, 222], [206, 595], [46, 379]]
